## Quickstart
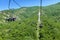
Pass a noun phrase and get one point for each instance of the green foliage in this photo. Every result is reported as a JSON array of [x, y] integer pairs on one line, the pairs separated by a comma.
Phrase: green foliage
[[24, 28], [51, 23]]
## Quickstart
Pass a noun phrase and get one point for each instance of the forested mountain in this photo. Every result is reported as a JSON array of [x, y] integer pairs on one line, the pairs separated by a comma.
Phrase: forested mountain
[[24, 27], [51, 22]]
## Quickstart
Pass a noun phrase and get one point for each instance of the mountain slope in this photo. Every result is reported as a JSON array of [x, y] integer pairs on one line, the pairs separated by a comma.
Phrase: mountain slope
[[51, 22], [24, 28]]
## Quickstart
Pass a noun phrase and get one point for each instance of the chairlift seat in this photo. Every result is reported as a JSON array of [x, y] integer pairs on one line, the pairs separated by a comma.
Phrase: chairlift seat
[[10, 19], [41, 25]]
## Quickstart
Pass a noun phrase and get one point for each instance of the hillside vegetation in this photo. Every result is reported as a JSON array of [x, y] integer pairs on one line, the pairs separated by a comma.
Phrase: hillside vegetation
[[24, 27], [51, 22]]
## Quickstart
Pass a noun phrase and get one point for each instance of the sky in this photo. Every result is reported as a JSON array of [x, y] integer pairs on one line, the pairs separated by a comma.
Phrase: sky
[[25, 3], [22, 3], [49, 2]]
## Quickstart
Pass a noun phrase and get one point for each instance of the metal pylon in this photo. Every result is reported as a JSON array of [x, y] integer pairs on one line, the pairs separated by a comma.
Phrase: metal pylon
[[39, 20]]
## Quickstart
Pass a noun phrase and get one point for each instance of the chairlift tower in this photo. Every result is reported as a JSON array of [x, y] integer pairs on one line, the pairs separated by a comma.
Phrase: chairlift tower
[[39, 20], [11, 15], [9, 4], [38, 24]]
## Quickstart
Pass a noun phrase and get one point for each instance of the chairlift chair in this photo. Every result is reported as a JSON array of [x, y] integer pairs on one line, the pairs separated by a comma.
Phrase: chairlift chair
[[11, 16]]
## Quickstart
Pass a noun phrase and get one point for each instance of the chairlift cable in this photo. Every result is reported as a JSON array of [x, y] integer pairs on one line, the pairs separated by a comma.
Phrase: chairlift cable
[[39, 20], [41, 6], [16, 3], [9, 4]]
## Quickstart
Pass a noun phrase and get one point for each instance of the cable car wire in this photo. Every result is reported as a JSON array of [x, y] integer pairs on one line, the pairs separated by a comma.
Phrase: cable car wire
[[14, 2], [9, 4], [17, 3]]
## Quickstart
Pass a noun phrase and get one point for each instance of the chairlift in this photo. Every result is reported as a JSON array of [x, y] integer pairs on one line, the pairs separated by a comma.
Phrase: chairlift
[[11, 15], [41, 25]]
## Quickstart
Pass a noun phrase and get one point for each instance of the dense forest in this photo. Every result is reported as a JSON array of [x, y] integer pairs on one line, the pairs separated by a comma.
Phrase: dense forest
[[24, 27], [51, 22]]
